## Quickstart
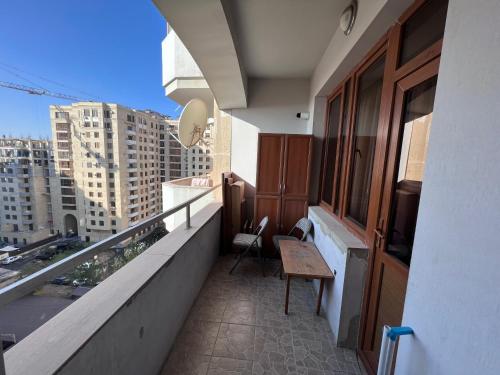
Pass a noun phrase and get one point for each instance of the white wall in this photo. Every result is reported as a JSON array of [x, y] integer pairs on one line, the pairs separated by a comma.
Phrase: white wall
[[453, 298], [272, 108], [173, 195], [176, 60]]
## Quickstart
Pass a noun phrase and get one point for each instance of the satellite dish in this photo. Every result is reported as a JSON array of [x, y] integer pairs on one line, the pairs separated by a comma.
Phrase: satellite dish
[[193, 122]]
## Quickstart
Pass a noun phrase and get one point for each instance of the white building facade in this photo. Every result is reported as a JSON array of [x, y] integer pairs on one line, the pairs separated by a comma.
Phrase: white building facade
[[26, 166]]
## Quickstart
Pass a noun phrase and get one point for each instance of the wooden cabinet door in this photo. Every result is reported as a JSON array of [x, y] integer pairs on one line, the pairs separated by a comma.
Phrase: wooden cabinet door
[[298, 151], [292, 209], [270, 164], [268, 205]]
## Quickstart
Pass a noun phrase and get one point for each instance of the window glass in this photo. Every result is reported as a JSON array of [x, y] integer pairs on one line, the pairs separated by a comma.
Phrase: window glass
[[341, 145], [416, 126], [422, 29], [331, 150], [364, 140]]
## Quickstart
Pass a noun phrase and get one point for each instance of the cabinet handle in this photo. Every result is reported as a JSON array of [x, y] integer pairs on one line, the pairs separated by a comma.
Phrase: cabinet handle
[[284, 187]]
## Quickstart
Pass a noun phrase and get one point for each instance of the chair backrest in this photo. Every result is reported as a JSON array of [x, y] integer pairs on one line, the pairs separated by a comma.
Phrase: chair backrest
[[304, 225], [262, 225]]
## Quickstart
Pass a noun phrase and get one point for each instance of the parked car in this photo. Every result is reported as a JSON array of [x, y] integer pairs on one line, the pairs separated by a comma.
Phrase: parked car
[[47, 254], [59, 247], [61, 280], [12, 259], [80, 282]]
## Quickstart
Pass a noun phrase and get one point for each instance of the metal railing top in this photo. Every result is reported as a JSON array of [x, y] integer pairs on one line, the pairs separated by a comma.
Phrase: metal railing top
[[26, 285]]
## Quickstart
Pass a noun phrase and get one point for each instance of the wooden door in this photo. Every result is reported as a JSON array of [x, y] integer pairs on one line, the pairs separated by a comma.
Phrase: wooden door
[[409, 134], [271, 150], [298, 149], [270, 156], [292, 209], [295, 188], [268, 205]]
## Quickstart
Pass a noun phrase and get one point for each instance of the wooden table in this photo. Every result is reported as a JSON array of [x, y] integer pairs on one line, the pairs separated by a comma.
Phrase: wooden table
[[302, 259]]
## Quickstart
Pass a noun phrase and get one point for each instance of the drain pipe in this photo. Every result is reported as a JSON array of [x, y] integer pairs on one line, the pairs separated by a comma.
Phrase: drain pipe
[[390, 338]]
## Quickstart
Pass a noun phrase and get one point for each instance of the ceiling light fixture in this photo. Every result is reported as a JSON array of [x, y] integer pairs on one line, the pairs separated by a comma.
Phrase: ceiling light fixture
[[348, 18]]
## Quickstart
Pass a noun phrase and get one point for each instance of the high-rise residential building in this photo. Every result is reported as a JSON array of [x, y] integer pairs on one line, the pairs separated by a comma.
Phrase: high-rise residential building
[[25, 211], [108, 168], [182, 162], [199, 157], [175, 157]]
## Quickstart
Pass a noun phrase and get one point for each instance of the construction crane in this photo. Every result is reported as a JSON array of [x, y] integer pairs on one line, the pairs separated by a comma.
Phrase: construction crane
[[41, 91]]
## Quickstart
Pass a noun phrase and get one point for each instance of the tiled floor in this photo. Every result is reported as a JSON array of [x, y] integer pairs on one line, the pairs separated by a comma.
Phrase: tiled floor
[[238, 326]]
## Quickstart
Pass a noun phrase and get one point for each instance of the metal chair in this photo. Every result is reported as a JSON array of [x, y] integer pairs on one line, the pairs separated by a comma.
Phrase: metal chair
[[297, 233], [247, 242]]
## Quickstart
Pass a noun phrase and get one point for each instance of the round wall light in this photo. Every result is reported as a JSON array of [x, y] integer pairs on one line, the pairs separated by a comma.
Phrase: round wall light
[[348, 18]]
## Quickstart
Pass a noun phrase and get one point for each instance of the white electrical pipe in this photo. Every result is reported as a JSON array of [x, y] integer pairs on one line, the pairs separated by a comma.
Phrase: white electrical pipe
[[390, 337]]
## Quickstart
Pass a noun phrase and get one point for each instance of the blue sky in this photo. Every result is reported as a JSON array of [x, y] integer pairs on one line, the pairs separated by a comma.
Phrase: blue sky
[[109, 50]]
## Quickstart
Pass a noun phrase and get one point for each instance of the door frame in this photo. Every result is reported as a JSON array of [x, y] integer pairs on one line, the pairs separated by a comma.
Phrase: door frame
[[380, 257], [392, 75]]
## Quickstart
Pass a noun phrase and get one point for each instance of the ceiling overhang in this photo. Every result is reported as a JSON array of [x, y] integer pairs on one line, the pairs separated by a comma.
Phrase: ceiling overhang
[[204, 28]]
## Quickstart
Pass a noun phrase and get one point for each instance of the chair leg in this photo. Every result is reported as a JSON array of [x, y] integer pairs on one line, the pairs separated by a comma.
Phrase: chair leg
[[240, 258]]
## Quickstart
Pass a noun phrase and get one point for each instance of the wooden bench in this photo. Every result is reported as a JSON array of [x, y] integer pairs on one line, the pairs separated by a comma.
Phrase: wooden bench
[[302, 259]]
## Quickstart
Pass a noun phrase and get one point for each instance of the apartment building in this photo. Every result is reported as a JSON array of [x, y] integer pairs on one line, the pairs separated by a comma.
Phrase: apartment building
[[174, 160], [182, 162], [107, 166], [25, 169], [199, 157]]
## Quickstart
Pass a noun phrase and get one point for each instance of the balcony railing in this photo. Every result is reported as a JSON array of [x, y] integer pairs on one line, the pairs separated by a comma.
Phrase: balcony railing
[[30, 283], [34, 281]]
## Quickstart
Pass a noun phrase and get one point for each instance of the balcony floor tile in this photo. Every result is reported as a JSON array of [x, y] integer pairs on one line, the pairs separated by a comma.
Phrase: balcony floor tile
[[238, 326]]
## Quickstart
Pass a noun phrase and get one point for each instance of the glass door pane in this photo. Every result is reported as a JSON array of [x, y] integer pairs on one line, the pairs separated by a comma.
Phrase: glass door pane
[[365, 139], [416, 126], [331, 150]]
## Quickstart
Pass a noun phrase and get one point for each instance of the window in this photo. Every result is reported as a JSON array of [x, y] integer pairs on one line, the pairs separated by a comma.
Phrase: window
[[364, 141], [62, 115], [423, 29], [331, 156], [349, 145]]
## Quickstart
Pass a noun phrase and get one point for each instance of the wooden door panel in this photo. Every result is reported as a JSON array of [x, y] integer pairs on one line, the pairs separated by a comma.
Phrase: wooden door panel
[[270, 163], [298, 152], [268, 205], [292, 209], [390, 304]]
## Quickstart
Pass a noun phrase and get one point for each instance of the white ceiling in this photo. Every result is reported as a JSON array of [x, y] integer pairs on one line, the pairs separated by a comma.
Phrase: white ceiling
[[283, 38]]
